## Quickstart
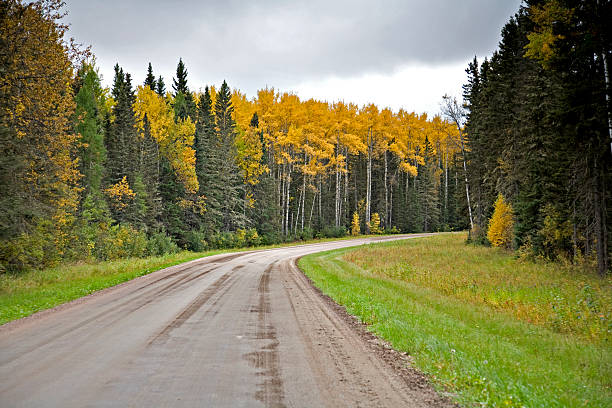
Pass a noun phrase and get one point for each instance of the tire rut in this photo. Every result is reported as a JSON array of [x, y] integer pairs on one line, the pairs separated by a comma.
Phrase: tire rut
[[266, 360], [145, 298], [194, 306]]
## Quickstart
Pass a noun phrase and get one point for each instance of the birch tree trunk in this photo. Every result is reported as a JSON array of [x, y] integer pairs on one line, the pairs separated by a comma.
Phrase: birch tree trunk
[[337, 207], [368, 184], [288, 187], [386, 220]]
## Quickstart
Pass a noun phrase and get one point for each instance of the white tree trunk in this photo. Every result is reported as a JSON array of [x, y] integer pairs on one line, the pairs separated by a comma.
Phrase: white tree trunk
[[369, 183]]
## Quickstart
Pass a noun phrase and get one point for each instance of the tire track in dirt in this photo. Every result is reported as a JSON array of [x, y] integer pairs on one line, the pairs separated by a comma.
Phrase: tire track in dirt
[[266, 360], [214, 289], [143, 299]]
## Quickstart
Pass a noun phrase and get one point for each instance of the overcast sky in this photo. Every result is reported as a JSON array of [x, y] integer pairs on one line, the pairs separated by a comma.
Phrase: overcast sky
[[393, 53]]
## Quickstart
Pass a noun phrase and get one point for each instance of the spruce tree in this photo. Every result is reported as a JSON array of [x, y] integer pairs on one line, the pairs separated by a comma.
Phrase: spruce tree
[[428, 184], [150, 79], [122, 140], [229, 172], [149, 172], [179, 84], [184, 105], [160, 87], [89, 125], [208, 163]]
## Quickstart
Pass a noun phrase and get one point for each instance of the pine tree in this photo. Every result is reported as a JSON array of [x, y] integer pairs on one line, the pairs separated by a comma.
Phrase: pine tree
[[160, 87], [208, 163], [122, 140], [229, 175], [89, 124], [184, 106], [179, 84], [149, 173], [428, 186], [150, 79]]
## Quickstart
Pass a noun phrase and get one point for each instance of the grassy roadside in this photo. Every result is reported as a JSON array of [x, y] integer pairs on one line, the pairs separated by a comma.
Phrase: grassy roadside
[[453, 308], [26, 293]]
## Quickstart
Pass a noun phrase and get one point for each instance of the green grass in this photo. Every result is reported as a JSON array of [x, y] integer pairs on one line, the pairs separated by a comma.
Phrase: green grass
[[453, 307], [22, 294], [29, 292]]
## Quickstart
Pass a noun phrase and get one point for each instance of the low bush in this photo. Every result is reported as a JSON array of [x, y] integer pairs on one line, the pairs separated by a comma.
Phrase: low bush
[[333, 232]]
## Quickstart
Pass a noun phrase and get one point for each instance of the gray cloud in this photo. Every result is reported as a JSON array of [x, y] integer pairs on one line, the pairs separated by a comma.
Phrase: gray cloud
[[279, 43]]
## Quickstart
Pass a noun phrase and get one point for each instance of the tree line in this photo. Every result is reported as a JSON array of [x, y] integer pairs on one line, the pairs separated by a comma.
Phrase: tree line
[[540, 133], [88, 172]]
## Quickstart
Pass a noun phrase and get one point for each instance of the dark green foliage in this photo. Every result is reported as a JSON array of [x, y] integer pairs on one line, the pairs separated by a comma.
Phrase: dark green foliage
[[228, 174], [179, 84], [89, 124], [184, 105], [333, 232], [428, 190], [208, 163], [150, 79], [122, 138], [160, 87], [149, 173], [538, 135]]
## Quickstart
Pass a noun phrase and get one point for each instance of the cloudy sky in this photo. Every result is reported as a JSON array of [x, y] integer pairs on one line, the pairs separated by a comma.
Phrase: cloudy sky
[[393, 53]]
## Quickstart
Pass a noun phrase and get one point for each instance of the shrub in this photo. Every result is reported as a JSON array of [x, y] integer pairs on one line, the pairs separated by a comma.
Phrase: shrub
[[375, 224], [556, 233], [223, 240], [270, 238], [124, 241], [239, 238], [252, 237], [306, 234], [333, 232], [501, 224], [355, 226], [392, 230], [160, 244]]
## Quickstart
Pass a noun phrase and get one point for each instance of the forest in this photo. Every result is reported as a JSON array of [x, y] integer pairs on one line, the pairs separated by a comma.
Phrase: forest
[[89, 172], [540, 131], [95, 173]]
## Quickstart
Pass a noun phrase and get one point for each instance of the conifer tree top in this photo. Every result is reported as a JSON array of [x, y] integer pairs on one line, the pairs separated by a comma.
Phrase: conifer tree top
[[150, 79], [179, 84], [160, 87]]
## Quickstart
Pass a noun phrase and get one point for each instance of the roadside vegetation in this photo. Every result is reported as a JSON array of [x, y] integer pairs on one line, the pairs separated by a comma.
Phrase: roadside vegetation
[[491, 329], [25, 293]]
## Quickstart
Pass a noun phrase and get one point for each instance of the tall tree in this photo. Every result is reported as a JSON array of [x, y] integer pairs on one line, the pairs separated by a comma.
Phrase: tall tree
[[160, 87], [229, 174], [38, 170], [150, 78], [184, 105], [208, 163]]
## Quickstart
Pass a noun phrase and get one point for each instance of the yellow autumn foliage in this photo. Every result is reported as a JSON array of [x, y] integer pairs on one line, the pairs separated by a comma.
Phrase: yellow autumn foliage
[[375, 224], [355, 228], [500, 232], [541, 45], [120, 194], [175, 139]]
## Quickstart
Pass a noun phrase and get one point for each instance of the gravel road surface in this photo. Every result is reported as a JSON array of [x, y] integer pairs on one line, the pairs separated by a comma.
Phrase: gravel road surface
[[233, 330]]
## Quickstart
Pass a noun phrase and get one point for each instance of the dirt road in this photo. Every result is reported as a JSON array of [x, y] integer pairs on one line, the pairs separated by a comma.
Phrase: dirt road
[[232, 330]]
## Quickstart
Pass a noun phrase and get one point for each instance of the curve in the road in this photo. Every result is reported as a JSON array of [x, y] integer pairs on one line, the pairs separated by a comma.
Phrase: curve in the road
[[242, 329]]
